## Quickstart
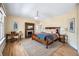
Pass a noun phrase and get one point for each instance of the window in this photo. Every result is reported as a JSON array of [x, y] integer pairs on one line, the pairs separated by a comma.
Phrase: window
[[1, 26]]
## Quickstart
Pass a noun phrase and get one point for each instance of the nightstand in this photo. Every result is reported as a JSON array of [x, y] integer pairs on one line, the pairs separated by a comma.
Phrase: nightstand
[[62, 38]]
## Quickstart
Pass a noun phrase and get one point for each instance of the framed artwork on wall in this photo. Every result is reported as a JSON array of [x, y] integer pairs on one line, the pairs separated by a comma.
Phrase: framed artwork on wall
[[72, 25], [15, 26]]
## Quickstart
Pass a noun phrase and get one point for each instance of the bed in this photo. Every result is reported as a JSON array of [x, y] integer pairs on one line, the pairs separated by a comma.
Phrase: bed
[[47, 38]]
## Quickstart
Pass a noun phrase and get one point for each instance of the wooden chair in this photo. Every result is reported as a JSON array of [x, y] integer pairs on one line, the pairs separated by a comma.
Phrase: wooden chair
[[20, 35]]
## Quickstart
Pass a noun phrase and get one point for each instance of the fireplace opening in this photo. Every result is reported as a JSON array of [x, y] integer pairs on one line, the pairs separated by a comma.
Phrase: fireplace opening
[[29, 34]]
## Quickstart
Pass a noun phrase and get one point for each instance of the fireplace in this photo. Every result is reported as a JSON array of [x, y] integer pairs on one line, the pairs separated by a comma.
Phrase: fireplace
[[29, 30], [29, 33]]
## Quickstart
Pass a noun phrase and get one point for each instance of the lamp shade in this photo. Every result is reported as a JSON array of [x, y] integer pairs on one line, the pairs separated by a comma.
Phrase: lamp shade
[[62, 31]]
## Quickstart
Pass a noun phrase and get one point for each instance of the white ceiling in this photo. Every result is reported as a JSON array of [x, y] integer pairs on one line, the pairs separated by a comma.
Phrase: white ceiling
[[45, 10]]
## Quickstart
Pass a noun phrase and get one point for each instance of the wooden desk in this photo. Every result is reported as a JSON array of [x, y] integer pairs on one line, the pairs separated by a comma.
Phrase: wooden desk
[[12, 37]]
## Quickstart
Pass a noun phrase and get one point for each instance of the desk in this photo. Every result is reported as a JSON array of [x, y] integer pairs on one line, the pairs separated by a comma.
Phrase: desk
[[12, 37]]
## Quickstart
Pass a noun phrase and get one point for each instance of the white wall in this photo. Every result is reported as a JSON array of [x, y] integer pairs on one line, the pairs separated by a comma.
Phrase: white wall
[[78, 26], [19, 20]]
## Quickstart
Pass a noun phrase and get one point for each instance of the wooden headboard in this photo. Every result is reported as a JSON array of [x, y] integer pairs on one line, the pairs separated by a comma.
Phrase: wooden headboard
[[58, 29]]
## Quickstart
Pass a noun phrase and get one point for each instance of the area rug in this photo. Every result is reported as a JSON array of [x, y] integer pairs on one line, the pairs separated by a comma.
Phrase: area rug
[[35, 48]]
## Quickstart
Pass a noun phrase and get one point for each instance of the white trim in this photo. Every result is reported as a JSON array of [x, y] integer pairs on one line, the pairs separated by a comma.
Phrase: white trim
[[1, 9], [1, 41]]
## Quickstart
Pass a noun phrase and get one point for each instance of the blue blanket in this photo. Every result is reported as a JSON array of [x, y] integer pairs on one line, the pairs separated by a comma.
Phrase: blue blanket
[[41, 35], [45, 36]]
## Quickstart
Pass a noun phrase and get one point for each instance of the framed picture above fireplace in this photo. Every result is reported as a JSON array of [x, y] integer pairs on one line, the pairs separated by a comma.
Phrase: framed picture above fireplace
[[30, 27]]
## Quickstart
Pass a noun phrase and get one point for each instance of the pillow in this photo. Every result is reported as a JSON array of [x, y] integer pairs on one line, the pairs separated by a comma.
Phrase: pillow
[[54, 31], [47, 31]]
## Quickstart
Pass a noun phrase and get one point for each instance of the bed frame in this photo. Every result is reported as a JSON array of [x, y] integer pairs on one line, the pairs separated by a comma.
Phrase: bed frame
[[46, 42]]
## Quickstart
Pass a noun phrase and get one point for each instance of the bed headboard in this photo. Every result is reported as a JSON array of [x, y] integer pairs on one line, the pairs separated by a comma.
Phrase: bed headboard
[[57, 29]]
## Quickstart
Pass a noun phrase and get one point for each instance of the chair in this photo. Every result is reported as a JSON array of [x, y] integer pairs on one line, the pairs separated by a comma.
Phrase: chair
[[20, 35]]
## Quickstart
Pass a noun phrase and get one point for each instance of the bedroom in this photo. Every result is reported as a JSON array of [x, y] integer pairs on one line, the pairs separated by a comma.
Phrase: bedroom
[[24, 21]]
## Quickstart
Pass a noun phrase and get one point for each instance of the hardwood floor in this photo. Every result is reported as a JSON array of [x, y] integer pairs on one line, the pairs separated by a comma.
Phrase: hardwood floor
[[65, 50], [15, 49]]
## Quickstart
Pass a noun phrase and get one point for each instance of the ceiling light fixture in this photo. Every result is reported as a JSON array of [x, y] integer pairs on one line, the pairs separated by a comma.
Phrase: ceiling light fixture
[[36, 17]]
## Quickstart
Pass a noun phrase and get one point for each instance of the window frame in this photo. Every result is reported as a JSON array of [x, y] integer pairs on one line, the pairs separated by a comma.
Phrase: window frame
[[1, 26]]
